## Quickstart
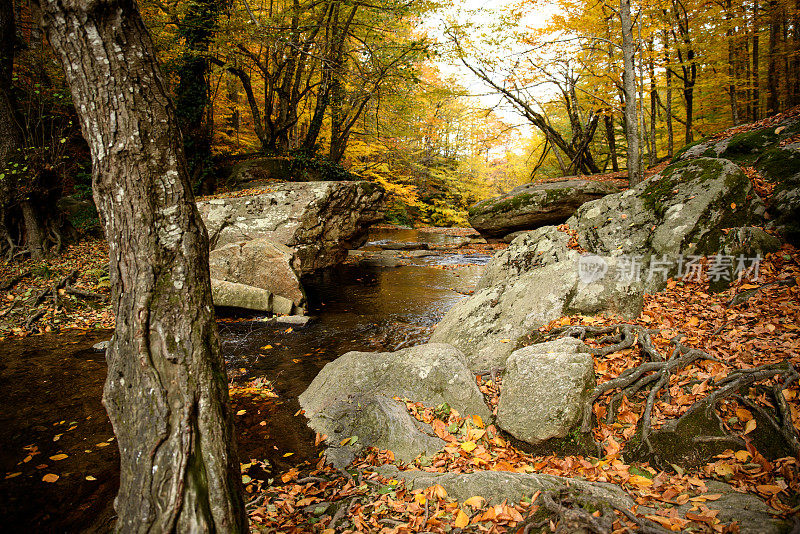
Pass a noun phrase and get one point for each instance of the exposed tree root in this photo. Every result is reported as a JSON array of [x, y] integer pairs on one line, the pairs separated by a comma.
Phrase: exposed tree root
[[575, 512], [572, 517], [654, 373]]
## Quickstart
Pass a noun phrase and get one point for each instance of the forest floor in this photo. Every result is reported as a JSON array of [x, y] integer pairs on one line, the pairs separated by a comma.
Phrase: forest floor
[[763, 329]]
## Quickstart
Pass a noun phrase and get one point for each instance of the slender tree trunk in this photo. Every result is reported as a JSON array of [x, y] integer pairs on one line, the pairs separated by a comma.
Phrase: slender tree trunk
[[731, 64], [34, 238], [10, 138], [756, 77], [629, 88], [773, 74], [166, 390], [192, 98], [795, 78], [653, 104], [748, 76], [668, 97], [612, 141]]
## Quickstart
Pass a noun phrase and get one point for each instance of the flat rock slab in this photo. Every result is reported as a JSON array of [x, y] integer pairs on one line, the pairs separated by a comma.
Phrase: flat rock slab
[[260, 263], [320, 221], [499, 486], [533, 205]]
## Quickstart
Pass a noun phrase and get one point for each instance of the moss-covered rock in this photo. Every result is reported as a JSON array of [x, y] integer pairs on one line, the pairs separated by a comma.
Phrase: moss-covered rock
[[743, 147], [781, 166], [531, 206], [682, 210]]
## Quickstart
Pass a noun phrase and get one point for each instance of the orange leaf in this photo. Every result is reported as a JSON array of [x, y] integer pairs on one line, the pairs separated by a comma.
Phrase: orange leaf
[[750, 426], [50, 477], [462, 519], [475, 502], [291, 474], [769, 489]]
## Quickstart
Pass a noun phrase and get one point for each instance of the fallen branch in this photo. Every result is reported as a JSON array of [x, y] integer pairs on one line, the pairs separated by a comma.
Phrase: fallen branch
[[9, 283], [72, 290], [33, 318], [39, 298]]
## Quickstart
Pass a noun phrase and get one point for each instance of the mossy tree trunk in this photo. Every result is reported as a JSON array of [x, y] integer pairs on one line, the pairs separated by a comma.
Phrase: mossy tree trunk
[[166, 390]]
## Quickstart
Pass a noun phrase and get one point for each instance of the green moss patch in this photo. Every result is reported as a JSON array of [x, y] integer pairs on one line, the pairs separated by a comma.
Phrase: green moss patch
[[779, 164], [659, 191], [747, 146]]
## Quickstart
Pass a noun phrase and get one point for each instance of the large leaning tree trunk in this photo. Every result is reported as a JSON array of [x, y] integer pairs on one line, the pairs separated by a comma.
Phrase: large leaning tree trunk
[[166, 391]]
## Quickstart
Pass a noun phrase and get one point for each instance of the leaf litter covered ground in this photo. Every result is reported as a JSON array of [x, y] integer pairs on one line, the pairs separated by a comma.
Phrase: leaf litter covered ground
[[752, 324]]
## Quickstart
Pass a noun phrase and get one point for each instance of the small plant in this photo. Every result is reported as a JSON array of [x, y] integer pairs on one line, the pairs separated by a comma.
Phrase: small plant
[[42, 270]]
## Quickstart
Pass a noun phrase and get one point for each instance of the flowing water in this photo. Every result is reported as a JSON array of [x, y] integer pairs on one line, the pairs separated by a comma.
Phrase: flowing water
[[353, 308]]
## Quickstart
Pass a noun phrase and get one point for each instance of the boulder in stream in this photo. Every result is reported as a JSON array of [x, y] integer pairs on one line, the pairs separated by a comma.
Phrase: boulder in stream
[[260, 263], [243, 296], [320, 221]]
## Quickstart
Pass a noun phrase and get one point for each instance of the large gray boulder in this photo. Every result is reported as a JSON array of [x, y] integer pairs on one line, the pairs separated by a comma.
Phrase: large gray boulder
[[260, 263], [545, 389], [533, 205], [432, 374], [320, 221], [527, 251], [491, 324], [682, 210], [355, 422]]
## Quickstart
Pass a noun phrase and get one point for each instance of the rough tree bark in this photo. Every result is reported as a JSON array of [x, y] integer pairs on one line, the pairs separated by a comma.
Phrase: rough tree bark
[[629, 88], [166, 391]]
